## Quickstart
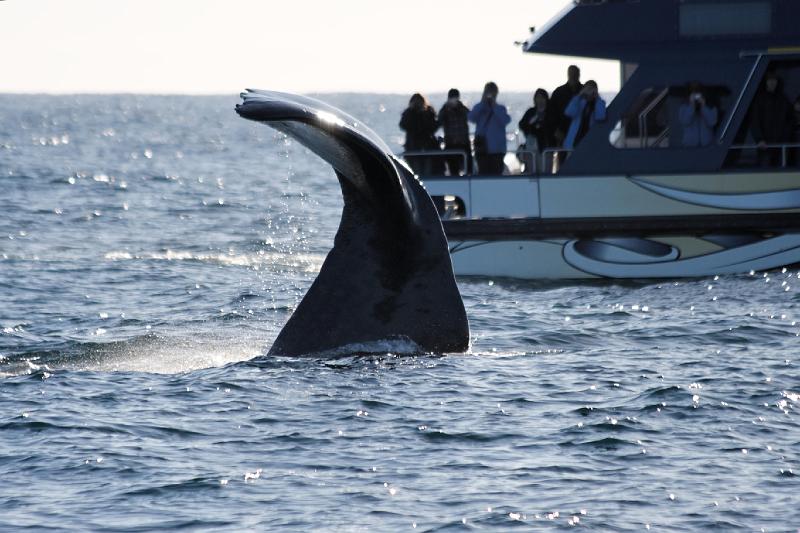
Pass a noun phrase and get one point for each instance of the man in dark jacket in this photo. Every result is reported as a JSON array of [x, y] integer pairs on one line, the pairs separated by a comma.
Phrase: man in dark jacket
[[560, 100], [453, 120], [771, 121]]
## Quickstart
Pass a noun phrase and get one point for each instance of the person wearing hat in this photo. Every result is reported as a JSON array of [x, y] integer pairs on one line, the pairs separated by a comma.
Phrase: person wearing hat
[[453, 119]]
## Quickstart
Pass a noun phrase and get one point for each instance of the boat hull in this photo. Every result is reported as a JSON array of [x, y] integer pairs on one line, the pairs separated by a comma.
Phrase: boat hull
[[623, 227], [623, 258]]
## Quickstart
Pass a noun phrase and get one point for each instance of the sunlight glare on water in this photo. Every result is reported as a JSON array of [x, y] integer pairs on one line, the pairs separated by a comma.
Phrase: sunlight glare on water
[[151, 248]]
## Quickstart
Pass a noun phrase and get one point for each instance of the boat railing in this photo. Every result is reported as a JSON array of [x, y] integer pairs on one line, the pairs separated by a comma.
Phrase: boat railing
[[661, 138], [443, 154], [740, 99], [529, 158], [553, 158], [784, 148], [644, 115]]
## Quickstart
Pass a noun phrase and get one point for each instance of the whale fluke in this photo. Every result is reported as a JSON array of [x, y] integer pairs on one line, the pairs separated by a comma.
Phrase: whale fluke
[[389, 274]]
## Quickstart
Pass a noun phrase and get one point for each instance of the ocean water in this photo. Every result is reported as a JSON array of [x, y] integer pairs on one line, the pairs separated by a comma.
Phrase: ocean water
[[152, 247]]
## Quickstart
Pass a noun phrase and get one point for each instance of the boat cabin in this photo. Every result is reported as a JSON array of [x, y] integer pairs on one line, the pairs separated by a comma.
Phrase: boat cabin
[[642, 195], [726, 46]]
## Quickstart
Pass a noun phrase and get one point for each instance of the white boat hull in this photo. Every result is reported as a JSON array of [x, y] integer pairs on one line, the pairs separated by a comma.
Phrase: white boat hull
[[606, 258], [645, 208]]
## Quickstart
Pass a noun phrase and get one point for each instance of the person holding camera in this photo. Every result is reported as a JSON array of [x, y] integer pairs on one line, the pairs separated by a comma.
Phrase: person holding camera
[[585, 109], [490, 119], [698, 119], [453, 120]]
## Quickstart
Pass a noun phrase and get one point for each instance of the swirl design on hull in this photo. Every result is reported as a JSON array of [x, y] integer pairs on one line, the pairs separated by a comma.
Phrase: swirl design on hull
[[609, 259], [772, 200]]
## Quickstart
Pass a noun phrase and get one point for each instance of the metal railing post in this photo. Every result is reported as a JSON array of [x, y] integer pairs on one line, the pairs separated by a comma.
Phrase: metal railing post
[[784, 148], [442, 154], [740, 98]]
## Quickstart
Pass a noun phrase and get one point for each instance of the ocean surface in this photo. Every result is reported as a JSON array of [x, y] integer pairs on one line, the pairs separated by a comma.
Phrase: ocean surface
[[152, 247]]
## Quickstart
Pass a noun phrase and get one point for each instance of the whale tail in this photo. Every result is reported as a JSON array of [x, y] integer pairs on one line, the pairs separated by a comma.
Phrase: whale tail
[[389, 274]]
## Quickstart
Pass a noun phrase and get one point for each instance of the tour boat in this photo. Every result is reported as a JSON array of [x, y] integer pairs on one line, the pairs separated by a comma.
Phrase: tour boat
[[631, 201]]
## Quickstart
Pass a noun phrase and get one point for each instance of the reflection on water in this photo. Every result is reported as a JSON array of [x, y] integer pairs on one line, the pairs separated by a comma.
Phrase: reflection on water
[[152, 247]]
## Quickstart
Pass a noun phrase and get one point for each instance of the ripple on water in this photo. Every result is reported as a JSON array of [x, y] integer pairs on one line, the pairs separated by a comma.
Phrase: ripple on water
[[606, 406]]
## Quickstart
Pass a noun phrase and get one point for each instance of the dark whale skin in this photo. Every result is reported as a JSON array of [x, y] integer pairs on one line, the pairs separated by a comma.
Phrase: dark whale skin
[[389, 274]]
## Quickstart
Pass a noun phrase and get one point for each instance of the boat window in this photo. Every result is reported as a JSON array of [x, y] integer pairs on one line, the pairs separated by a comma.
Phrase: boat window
[[653, 119], [645, 124], [769, 134], [719, 19]]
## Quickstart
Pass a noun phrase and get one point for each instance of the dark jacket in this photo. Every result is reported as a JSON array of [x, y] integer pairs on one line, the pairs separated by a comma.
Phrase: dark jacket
[[453, 120], [796, 126], [772, 117], [559, 101], [420, 126], [543, 128]]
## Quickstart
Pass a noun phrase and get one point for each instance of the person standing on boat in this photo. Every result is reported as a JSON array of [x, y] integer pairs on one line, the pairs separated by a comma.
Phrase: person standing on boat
[[771, 121], [453, 120], [490, 119], [585, 109], [561, 98], [538, 126], [697, 118], [419, 123]]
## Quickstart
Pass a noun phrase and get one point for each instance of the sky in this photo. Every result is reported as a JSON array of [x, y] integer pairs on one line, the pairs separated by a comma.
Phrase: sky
[[222, 46]]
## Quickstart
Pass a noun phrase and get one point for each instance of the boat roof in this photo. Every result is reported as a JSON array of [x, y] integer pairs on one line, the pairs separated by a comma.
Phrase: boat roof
[[636, 30]]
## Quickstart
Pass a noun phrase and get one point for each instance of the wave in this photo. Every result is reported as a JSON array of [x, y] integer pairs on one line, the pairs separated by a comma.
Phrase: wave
[[146, 353], [305, 262], [302, 262]]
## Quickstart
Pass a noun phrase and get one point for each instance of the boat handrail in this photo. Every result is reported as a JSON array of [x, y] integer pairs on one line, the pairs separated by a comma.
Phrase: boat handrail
[[782, 147], [534, 157], [644, 114], [660, 138], [735, 110], [438, 153], [555, 161]]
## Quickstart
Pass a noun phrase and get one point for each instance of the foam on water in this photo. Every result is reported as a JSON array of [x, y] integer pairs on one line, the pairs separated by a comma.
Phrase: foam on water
[[303, 262]]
